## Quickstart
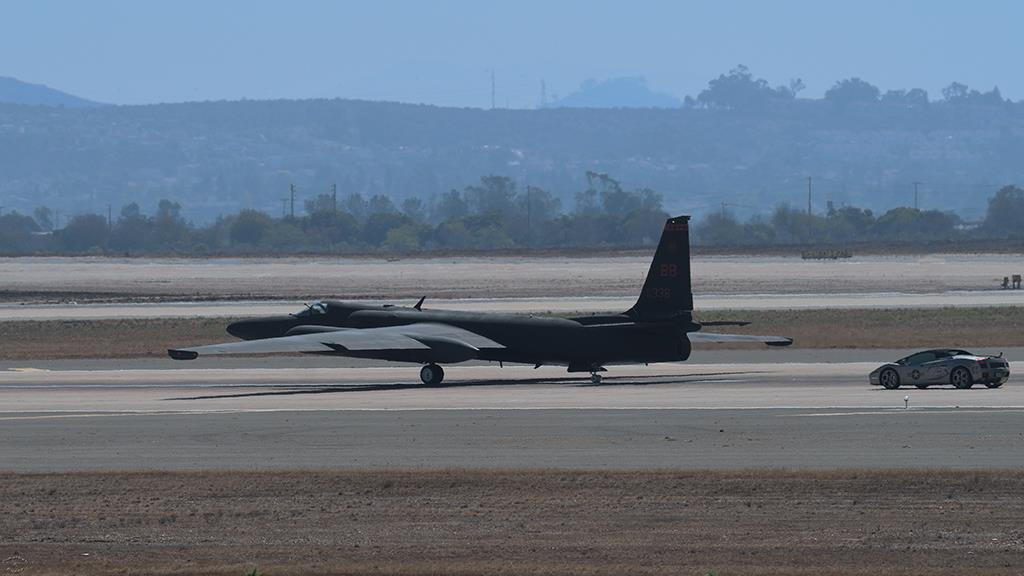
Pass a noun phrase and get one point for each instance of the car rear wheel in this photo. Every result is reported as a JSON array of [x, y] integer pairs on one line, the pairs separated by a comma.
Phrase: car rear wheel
[[890, 379], [960, 377], [993, 384]]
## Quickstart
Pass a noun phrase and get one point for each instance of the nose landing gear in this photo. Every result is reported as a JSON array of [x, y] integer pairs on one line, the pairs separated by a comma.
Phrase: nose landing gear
[[595, 378], [431, 374]]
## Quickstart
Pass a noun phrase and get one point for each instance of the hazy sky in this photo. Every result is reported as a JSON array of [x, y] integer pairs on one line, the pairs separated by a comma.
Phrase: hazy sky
[[442, 52]]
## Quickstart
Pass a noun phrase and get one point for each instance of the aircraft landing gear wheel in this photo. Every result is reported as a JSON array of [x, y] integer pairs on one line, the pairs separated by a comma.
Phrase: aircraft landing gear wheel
[[595, 378], [961, 378], [431, 374], [890, 379]]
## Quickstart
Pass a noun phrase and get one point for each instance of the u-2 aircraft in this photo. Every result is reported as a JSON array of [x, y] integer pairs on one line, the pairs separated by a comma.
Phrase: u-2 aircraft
[[658, 328]]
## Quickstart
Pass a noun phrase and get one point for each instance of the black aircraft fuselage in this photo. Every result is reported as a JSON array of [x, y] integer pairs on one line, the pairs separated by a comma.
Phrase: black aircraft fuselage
[[582, 343]]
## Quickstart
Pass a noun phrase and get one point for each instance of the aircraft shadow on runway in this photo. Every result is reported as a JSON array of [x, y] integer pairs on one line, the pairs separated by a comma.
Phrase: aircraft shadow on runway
[[297, 389]]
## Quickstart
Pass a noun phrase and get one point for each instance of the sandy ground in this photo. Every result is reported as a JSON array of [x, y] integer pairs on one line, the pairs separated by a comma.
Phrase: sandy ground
[[34, 279], [509, 522]]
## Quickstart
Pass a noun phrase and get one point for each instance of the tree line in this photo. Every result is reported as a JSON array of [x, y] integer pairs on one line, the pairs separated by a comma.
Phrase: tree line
[[740, 90], [847, 225], [494, 214]]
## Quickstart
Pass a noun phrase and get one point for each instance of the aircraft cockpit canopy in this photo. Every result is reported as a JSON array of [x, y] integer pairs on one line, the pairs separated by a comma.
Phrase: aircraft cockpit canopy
[[314, 309]]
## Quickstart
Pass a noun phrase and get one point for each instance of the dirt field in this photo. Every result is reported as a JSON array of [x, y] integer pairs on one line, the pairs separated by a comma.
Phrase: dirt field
[[93, 278], [458, 522], [902, 328]]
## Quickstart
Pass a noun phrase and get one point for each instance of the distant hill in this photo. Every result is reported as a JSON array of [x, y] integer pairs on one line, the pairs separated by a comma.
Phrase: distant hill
[[218, 157], [14, 91], [627, 92]]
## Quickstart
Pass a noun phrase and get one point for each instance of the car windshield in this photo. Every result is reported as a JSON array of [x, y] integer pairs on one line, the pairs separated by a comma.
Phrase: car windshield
[[314, 309]]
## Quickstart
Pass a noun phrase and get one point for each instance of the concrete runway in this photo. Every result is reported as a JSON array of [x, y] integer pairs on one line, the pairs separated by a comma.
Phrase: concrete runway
[[468, 276], [780, 410], [567, 305]]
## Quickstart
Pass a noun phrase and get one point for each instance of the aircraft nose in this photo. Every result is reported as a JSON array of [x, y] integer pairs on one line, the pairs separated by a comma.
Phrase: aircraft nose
[[257, 328], [240, 329]]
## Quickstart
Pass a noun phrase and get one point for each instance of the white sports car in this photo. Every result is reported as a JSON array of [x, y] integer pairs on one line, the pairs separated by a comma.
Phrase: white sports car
[[944, 366]]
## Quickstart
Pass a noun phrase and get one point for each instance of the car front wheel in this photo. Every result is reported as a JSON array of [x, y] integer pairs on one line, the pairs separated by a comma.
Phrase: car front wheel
[[890, 379], [993, 384], [960, 378]]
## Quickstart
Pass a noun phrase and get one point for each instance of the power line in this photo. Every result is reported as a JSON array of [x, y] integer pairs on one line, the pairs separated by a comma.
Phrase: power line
[[732, 205]]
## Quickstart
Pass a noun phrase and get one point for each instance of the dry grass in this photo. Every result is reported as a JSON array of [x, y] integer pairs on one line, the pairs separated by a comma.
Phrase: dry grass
[[515, 522], [897, 328], [903, 328], [130, 338]]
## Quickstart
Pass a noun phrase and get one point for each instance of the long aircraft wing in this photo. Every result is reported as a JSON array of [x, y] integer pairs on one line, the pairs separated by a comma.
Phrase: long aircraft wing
[[422, 336], [712, 337]]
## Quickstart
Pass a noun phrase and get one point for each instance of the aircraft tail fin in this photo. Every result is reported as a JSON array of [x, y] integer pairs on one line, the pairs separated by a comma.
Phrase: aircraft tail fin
[[667, 292]]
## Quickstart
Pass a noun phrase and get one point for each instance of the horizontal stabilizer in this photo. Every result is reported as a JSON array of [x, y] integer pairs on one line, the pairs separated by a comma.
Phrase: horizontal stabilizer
[[721, 338], [726, 323]]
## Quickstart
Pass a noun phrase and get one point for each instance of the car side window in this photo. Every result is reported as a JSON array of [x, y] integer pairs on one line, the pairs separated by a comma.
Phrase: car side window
[[920, 358]]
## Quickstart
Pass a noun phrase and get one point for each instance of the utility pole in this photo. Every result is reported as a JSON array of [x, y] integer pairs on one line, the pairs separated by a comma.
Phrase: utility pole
[[110, 220], [809, 196], [334, 198], [529, 215], [809, 223], [916, 184], [492, 89], [291, 190]]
